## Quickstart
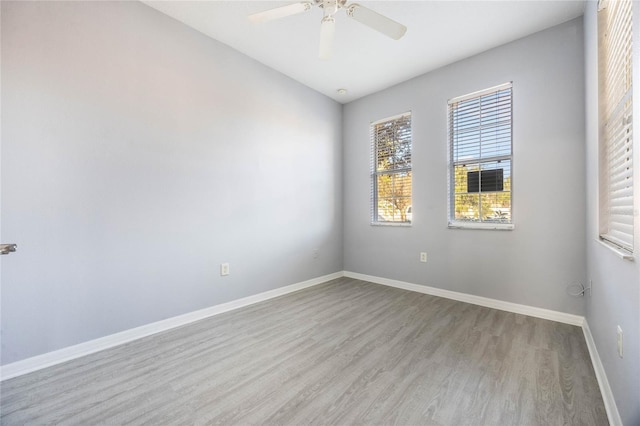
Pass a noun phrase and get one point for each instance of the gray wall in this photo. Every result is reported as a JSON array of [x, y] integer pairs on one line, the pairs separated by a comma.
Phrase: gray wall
[[137, 155], [615, 296], [532, 264]]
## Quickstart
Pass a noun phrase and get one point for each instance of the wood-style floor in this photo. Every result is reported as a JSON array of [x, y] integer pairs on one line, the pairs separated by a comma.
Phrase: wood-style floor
[[344, 352]]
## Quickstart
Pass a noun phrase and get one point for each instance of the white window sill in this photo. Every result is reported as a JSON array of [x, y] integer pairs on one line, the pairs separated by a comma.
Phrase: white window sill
[[401, 224], [486, 226], [622, 254]]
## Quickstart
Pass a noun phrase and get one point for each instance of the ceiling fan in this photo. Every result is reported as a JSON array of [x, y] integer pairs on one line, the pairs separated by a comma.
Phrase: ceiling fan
[[364, 15]]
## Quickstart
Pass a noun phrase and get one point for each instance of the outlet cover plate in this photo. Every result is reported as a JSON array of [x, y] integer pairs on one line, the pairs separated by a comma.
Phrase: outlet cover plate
[[224, 269], [620, 342]]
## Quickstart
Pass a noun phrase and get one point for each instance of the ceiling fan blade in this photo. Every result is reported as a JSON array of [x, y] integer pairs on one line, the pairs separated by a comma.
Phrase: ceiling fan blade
[[327, 31], [280, 12], [378, 22]]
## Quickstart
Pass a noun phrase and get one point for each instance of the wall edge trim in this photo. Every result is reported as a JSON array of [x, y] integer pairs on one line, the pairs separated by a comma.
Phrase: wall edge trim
[[69, 353], [605, 389], [475, 300], [607, 395]]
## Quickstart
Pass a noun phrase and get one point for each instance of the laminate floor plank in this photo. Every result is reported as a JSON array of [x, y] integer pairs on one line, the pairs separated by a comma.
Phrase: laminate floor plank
[[343, 352]]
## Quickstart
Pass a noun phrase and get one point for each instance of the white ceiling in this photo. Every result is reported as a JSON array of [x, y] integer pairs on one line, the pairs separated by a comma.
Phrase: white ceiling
[[365, 61]]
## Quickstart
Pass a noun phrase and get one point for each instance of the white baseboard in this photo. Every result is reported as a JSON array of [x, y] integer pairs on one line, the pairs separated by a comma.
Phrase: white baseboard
[[603, 382], [607, 395], [48, 359], [72, 352], [476, 300]]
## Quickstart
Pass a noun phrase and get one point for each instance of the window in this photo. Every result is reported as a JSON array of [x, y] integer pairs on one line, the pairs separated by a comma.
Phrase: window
[[480, 169], [391, 170], [615, 113]]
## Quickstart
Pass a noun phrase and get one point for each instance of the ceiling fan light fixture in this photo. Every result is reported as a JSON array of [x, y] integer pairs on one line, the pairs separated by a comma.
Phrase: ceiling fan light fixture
[[330, 6], [364, 15]]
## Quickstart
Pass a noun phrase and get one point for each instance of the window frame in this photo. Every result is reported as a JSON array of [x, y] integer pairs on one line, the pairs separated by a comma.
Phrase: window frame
[[374, 172], [452, 223], [609, 106]]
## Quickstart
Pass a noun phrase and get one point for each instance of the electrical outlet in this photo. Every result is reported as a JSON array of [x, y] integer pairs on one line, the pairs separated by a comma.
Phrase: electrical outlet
[[224, 269], [315, 253], [620, 342], [423, 257]]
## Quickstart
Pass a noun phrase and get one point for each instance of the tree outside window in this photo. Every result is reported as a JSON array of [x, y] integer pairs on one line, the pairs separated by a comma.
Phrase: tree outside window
[[392, 175]]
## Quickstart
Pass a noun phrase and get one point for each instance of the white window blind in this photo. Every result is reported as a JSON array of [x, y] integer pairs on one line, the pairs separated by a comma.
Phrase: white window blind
[[391, 170], [616, 135], [480, 171]]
